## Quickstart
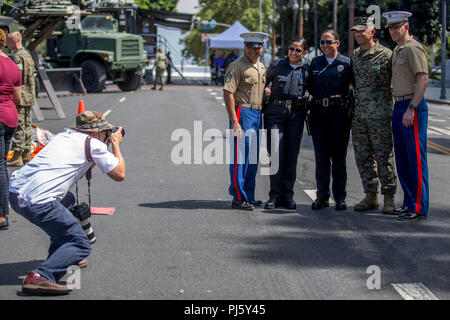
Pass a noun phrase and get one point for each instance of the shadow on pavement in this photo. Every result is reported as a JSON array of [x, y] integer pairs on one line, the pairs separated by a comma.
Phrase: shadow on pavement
[[10, 272], [189, 204]]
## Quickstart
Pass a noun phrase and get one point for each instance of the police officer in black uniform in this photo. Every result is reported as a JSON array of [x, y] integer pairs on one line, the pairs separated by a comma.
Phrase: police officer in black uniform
[[286, 111], [329, 85]]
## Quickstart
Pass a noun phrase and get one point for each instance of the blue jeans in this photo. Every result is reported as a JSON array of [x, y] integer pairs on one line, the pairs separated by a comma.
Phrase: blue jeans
[[68, 242], [6, 134]]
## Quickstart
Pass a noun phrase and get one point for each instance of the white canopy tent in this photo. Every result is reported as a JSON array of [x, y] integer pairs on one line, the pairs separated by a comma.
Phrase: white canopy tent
[[229, 39]]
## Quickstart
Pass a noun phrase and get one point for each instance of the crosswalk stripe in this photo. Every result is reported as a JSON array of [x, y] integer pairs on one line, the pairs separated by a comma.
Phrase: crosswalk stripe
[[441, 130], [414, 291], [431, 132]]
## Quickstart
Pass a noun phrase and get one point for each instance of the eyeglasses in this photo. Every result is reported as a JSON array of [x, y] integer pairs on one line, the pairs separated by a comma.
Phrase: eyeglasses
[[328, 42], [295, 49]]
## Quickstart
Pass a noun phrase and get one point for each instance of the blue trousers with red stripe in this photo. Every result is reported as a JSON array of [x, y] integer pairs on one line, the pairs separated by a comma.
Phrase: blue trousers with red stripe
[[410, 146], [245, 155]]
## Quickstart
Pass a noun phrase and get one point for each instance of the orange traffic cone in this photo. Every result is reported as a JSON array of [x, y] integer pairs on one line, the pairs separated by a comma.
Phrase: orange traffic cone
[[80, 107]]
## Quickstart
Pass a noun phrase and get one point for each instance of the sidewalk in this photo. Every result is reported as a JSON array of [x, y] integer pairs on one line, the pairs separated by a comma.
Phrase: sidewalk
[[433, 94]]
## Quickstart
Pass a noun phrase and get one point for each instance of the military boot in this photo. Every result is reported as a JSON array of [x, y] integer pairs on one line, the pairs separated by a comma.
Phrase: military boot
[[370, 202], [389, 204], [26, 157], [16, 160]]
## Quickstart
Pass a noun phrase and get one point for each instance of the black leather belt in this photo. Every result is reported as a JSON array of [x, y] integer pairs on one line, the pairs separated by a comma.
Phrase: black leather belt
[[297, 105], [336, 100]]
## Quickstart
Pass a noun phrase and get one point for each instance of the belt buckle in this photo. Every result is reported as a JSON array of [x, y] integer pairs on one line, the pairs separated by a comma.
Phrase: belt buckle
[[325, 102], [289, 104]]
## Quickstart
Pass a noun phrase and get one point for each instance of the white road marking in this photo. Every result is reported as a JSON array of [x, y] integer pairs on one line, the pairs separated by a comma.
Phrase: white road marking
[[123, 99], [219, 98], [441, 130], [436, 120], [414, 291], [223, 104], [431, 132], [107, 112]]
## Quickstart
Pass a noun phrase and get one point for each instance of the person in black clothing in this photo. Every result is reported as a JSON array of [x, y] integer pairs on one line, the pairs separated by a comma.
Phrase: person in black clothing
[[169, 67], [286, 111], [329, 84]]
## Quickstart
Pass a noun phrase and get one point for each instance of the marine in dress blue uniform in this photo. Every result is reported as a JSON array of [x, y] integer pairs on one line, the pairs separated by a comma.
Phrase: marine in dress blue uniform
[[285, 112], [330, 125], [243, 93], [410, 118]]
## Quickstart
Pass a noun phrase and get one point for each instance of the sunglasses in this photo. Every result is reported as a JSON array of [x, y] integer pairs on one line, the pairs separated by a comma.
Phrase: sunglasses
[[328, 42], [295, 49]]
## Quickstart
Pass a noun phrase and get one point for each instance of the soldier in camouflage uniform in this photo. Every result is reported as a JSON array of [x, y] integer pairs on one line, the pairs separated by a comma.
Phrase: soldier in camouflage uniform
[[161, 65], [371, 125], [21, 142]]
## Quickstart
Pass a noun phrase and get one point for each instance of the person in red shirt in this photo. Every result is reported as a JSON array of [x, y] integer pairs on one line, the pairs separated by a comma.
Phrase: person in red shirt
[[10, 89]]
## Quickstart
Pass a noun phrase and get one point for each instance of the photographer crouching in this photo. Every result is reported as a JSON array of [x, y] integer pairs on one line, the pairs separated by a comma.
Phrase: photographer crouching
[[39, 191]]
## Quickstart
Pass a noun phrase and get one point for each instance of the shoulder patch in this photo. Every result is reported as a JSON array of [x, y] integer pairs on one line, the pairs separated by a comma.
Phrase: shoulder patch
[[228, 76]]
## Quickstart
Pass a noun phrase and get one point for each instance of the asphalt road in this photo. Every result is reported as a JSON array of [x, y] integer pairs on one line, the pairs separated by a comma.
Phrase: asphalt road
[[173, 235]]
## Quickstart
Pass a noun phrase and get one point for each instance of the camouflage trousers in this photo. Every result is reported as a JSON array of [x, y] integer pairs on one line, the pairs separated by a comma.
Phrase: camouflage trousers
[[21, 141], [159, 76], [373, 146]]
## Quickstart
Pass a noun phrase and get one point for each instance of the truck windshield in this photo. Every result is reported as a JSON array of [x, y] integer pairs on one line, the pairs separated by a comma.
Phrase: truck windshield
[[98, 24]]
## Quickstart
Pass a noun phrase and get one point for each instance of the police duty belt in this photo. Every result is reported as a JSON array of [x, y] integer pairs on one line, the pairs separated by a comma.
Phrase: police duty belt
[[295, 105]]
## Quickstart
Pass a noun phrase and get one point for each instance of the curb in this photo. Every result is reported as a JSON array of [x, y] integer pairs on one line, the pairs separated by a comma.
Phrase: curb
[[438, 101]]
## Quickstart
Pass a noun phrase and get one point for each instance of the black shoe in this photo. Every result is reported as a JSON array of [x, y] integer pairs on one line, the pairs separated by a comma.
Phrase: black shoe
[[320, 204], [341, 205], [5, 224], [242, 205], [256, 203], [270, 204], [411, 216], [291, 205], [401, 210]]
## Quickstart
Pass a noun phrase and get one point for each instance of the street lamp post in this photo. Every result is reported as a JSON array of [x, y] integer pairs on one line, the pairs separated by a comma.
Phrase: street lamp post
[[304, 8], [316, 30], [444, 51]]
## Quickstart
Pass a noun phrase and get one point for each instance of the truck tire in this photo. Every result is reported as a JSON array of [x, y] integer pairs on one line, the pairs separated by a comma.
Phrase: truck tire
[[133, 80], [93, 74]]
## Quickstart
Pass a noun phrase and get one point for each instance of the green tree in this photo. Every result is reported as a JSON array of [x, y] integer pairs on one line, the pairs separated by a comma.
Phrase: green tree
[[425, 22], [163, 5], [226, 12]]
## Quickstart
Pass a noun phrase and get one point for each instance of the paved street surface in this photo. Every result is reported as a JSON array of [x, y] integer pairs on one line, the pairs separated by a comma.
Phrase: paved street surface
[[174, 236]]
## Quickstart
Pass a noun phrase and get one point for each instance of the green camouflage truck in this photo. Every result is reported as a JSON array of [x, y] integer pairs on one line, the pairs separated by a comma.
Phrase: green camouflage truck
[[103, 53]]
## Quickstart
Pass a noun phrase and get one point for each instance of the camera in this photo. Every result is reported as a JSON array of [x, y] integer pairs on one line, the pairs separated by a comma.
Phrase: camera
[[112, 130], [82, 212], [117, 128]]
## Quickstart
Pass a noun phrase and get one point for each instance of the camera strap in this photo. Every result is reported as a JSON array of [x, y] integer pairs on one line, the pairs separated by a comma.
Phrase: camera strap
[[87, 152]]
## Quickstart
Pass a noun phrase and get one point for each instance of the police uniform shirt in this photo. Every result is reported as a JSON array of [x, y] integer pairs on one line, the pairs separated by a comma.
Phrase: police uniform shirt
[[329, 79], [287, 82], [246, 81], [408, 60]]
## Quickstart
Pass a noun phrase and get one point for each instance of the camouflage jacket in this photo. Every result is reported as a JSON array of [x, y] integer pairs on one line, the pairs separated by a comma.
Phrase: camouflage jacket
[[161, 61], [372, 71], [26, 65]]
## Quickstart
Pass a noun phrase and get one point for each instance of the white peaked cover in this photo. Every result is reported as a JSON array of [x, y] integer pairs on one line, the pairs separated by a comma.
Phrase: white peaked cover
[[230, 39]]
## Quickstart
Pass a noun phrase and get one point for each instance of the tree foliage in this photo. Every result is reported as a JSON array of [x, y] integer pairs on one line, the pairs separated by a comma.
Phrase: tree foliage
[[163, 5], [425, 22], [226, 12]]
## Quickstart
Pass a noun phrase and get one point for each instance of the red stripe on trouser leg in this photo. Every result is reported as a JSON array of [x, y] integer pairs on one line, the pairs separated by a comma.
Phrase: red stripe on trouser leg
[[238, 114], [419, 163]]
